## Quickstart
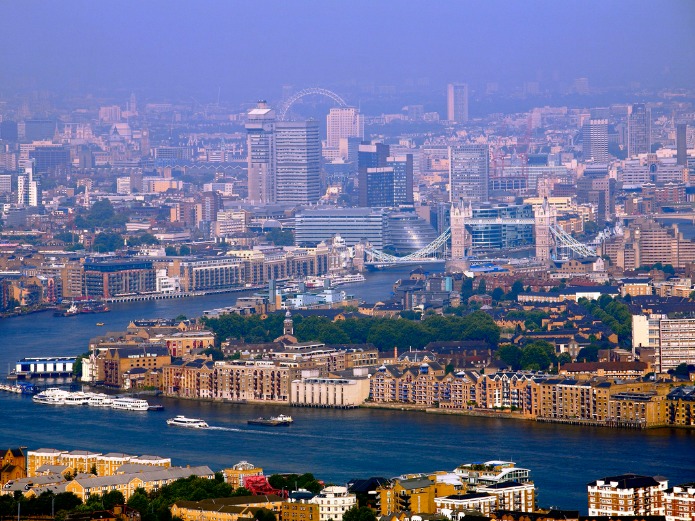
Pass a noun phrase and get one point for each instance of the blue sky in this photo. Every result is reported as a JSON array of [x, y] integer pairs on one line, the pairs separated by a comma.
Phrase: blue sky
[[244, 47]]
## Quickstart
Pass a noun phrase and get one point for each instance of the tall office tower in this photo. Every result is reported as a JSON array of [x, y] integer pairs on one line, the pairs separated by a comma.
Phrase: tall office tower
[[403, 178], [297, 162], [457, 102], [639, 130], [388, 186], [343, 122], [469, 173], [369, 156], [596, 140], [681, 144], [260, 148]]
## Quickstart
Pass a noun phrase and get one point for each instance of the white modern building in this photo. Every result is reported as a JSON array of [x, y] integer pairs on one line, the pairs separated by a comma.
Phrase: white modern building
[[343, 122], [333, 502]]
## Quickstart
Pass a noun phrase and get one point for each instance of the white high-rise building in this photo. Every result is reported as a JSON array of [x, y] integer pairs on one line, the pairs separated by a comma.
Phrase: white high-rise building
[[457, 102], [123, 186], [28, 189], [595, 143], [297, 162], [343, 122]]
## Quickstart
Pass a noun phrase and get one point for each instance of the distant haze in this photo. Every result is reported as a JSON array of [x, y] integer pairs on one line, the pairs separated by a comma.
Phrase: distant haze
[[248, 49]]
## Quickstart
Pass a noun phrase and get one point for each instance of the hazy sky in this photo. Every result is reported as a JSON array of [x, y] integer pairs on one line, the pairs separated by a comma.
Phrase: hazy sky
[[250, 48]]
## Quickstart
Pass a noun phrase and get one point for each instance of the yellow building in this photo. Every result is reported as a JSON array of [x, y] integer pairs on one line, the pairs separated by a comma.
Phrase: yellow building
[[417, 493], [226, 509], [107, 464], [85, 461], [40, 457], [80, 460], [236, 475], [182, 343], [299, 511]]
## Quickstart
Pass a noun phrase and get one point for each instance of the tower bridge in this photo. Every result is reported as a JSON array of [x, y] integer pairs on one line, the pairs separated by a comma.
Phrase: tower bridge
[[455, 243]]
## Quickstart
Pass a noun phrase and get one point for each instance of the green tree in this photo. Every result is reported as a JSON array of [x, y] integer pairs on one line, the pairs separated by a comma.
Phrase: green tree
[[171, 251], [564, 358], [538, 356], [466, 288], [144, 239], [510, 355], [482, 287], [280, 237], [107, 242], [497, 294], [113, 498], [359, 514], [588, 354], [185, 250]]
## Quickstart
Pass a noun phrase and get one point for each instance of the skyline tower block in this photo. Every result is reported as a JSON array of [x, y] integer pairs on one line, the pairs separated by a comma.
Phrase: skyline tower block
[[343, 122], [457, 102], [638, 130], [682, 144], [595, 140], [469, 173], [369, 156], [260, 151], [297, 162]]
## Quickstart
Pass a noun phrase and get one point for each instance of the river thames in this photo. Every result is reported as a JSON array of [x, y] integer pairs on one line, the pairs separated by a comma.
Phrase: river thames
[[336, 445]]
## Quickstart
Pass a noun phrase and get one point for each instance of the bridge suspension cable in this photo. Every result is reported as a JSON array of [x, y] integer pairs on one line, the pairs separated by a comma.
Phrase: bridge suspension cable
[[437, 249]]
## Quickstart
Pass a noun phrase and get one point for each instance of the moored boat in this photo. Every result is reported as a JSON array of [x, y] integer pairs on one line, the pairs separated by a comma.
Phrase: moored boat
[[273, 421], [52, 396], [129, 404], [78, 398], [99, 400]]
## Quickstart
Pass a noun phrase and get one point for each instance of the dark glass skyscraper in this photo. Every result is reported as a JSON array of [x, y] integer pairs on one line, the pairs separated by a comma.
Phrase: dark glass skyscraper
[[638, 130]]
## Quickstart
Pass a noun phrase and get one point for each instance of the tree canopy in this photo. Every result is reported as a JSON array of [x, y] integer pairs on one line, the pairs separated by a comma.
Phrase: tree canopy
[[384, 333]]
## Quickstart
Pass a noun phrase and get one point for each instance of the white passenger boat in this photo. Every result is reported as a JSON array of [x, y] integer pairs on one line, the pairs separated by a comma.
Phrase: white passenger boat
[[129, 404], [77, 398], [53, 396], [100, 400], [182, 421]]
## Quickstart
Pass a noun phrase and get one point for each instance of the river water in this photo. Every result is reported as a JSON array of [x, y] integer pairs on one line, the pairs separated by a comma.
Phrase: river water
[[335, 445]]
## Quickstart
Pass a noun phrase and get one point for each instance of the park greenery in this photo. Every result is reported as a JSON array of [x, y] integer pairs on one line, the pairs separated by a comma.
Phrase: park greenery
[[613, 313], [280, 237], [100, 215], [384, 333], [295, 482]]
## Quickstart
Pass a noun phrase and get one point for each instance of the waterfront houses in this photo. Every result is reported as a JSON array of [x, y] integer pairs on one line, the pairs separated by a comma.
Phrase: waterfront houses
[[151, 481], [42, 460], [627, 495]]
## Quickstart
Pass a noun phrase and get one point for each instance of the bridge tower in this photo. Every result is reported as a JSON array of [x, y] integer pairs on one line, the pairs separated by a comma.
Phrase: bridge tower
[[545, 216], [460, 238]]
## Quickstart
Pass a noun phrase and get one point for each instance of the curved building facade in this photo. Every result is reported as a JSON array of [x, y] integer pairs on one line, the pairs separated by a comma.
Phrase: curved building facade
[[407, 232]]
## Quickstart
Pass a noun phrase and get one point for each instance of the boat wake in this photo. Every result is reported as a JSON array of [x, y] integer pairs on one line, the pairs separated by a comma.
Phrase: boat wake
[[229, 429]]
